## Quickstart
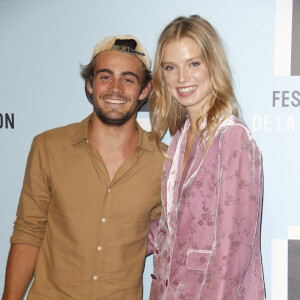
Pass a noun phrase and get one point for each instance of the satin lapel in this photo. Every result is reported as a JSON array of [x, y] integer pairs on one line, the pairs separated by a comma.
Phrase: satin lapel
[[174, 180], [196, 163], [198, 158]]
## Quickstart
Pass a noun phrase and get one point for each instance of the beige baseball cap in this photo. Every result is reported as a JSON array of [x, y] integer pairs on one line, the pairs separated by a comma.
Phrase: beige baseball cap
[[127, 44]]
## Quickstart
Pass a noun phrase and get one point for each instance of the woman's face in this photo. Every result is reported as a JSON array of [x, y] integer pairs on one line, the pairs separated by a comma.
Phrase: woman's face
[[185, 74]]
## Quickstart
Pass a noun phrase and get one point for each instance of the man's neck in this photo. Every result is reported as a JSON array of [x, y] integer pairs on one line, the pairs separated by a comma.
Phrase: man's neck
[[112, 137], [114, 143]]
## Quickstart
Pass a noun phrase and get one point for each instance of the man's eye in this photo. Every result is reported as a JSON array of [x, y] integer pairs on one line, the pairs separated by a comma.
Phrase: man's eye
[[104, 77], [127, 80]]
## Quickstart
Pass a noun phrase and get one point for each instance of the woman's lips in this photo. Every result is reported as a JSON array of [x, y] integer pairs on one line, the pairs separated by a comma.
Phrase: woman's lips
[[186, 91]]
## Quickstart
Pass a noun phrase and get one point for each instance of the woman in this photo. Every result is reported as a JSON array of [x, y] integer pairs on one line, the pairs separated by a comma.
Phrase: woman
[[208, 241]]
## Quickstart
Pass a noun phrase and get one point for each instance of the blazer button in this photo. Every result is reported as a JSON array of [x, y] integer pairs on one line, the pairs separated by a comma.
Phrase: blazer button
[[153, 276], [166, 282], [157, 251]]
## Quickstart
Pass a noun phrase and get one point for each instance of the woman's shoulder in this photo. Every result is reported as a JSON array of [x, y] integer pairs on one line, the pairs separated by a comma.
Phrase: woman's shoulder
[[232, 124], [232, 120], [235, 130]]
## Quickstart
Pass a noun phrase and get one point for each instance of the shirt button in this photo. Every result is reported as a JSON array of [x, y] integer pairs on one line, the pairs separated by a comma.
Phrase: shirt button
[[108, 190], [95, 277], [87, 141], [99, 248], [103, 220]]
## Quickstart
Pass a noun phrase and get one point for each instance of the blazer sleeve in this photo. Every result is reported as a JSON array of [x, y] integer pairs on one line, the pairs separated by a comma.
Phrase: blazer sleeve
[[152, 235], [237, 226], [155, 217], [33, 205]]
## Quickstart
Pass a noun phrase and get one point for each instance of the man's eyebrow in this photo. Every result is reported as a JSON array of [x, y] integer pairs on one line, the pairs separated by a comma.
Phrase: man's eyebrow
[[130, 74], [104, 71], [126, 73]]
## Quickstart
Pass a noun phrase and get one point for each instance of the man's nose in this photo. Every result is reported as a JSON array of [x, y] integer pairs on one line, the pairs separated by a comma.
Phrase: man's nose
[[116, 87]]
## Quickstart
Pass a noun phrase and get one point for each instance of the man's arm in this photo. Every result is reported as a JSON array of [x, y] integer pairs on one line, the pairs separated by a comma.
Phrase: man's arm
[[19, 270]]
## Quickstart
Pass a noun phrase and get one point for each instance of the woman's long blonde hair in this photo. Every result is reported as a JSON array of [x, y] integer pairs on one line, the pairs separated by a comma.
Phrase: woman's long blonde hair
[[165, 111]]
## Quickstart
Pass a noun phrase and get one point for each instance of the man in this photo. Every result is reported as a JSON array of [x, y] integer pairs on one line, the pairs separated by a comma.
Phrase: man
[[91, 190]]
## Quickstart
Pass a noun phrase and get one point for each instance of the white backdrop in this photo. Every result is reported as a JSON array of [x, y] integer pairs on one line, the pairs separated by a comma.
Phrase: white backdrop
[[43, 43]]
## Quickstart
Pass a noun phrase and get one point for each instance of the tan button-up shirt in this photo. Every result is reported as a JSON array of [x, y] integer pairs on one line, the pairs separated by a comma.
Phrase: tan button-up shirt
[[92, 233]]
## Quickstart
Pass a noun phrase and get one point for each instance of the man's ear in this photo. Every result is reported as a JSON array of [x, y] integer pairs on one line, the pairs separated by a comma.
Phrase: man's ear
[[89, 86], [145, 92]]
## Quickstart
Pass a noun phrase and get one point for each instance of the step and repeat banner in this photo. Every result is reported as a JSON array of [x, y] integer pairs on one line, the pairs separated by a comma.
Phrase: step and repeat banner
[[43, 44]]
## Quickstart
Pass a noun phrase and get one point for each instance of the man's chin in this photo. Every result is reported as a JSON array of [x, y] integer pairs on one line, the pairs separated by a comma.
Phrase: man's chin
[[114, 119]]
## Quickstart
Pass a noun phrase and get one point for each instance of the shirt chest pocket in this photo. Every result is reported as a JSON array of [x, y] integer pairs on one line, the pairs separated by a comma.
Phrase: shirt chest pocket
[[197, 259]]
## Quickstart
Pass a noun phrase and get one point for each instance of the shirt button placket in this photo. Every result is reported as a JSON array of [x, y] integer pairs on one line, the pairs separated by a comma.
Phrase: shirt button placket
[[99, 248]]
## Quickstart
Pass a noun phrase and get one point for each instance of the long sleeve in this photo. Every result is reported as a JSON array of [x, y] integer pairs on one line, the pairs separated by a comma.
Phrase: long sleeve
[[238, 216], [155, 216], [152, 235], [33, 205]]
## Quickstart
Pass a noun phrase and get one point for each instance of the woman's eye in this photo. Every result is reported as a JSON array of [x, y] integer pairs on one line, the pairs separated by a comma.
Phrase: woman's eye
[[169, 68], [195, 64]]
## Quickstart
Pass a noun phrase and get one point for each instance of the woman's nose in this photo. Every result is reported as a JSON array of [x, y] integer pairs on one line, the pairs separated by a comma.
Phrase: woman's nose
[[182, 75]]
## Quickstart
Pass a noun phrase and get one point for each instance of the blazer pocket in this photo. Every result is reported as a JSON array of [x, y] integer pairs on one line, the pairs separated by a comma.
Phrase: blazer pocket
[[197, 259]]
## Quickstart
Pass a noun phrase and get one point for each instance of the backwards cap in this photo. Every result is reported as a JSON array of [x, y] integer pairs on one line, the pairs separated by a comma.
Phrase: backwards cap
[[126, 44]]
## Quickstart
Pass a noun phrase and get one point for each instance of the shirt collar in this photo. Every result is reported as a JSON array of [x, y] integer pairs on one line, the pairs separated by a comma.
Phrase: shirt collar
[[144, 141], [82, 133]]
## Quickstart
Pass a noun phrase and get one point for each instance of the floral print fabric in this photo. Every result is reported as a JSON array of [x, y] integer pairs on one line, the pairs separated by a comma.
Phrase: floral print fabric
[[208, 241]]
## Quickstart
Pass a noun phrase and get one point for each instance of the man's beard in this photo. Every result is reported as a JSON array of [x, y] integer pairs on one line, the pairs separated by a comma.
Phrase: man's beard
[[114, 121]]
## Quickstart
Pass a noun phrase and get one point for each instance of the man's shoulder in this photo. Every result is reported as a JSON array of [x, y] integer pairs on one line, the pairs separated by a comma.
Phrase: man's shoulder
[[157, 148], [161, 145], [64, 133], [61, 129]]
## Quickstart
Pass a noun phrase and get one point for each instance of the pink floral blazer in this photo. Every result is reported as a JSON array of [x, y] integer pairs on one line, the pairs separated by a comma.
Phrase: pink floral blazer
[[208, 241]]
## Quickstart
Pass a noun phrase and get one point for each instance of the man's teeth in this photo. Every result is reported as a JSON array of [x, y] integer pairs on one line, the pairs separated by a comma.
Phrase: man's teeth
[[187, 89], [114, 101]]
